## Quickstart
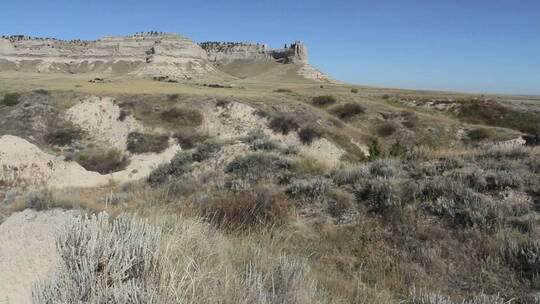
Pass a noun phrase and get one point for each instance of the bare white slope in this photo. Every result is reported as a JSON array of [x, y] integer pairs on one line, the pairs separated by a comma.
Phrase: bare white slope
[[99, 117], [27, 252], [24, 165]]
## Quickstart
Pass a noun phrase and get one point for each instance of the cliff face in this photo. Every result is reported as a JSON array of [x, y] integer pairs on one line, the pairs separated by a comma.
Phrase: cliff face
[[140, 54], [228, 51], [138, 45], [149, 54]]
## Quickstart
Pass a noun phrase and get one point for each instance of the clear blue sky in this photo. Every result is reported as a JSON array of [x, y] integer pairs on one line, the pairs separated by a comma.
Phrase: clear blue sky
[[461, 45]]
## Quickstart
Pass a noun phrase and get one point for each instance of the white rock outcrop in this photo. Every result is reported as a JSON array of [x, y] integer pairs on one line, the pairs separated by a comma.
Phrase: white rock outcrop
[[143, 54], [24, 165], [116, 54]]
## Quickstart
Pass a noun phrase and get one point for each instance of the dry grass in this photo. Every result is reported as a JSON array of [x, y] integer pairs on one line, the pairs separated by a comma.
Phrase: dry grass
[[377, 257], [323, 246], [308, 166], [247, 210]]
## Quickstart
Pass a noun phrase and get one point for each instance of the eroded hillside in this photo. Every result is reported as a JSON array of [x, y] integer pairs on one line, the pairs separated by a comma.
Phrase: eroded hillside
[[259, 191]]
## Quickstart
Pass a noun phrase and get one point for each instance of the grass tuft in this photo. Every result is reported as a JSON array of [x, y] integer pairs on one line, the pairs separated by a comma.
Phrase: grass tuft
[[347, 110], [11, 99], [323, 101]]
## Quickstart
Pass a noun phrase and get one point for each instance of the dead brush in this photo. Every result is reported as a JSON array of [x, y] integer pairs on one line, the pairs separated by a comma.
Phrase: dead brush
[[247, 210]]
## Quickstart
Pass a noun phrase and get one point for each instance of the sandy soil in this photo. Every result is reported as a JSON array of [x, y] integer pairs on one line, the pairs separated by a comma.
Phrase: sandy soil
[[99, 116], [27, 252], [24, 165]]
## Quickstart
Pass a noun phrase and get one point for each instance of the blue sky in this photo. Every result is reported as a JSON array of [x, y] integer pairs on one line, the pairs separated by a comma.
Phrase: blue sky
[[471, 46]]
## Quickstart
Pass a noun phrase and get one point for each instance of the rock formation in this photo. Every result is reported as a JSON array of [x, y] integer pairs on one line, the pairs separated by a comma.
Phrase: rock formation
[[142, 54], [227, 51]]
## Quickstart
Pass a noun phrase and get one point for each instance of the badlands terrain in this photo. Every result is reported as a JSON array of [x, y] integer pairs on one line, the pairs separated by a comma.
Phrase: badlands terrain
[[154, 169]]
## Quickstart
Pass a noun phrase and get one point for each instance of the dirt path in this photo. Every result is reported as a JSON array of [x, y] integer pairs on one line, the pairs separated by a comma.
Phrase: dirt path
[[27, 252]]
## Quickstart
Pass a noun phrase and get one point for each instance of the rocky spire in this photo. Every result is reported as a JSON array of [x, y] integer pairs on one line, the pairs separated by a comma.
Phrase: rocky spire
[[300, 52]]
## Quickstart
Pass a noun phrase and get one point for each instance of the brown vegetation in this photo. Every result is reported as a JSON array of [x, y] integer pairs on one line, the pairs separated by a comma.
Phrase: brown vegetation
[[144, 143], [182, 117]]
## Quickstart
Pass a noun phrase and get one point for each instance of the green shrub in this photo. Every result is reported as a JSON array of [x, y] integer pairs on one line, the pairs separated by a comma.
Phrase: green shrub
[[354, 90], [386, 129], [524, 256], [177, 189], [380, 194], [448, 197], [397, 149], [250, 164], [254, 167], [323, 101], [502, 179], [223, 103], [103, 162], [311, 188], [283, 91], [265, 144], [347, 110], [144, 143], [257, 140], [494, 114], [11, 99], [182, 117], [188, 138], [63, 134], [179, 165], [283, 125], [308, 134], [375, 151], [383, 168], [173, 97], [204, 150], [291, 150], [480, 134], [349, 176], [41, 92], [122, 115]]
